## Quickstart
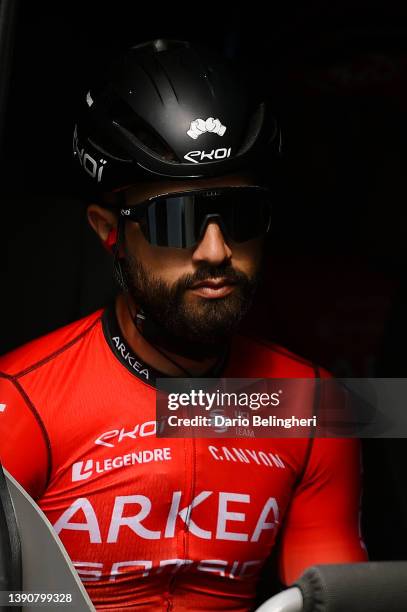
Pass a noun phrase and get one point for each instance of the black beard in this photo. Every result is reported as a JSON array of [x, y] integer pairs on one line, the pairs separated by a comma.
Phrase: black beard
[[202, 328]]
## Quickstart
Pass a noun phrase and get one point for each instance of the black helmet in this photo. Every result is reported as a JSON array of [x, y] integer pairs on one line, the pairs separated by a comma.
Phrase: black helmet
[[169, 109]]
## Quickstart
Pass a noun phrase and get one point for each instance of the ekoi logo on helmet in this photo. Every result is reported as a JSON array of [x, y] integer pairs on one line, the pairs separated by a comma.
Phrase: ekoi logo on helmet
[[91, 165], [200, 156], [199, 126]]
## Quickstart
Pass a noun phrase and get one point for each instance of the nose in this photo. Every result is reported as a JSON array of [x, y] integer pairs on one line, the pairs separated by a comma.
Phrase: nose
[[213, 247]]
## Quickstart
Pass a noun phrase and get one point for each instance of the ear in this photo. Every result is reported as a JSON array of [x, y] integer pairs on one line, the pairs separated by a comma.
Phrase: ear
[[102, 220]]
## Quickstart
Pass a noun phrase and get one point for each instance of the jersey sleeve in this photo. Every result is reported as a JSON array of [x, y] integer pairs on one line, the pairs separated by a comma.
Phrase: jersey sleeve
[[24, 449], [322, 524]]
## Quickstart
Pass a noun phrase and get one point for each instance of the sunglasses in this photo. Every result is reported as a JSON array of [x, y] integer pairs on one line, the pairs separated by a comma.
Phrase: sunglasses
[[179, 220]]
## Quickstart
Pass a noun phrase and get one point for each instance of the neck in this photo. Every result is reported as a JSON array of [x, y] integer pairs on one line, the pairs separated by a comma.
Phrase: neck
[[197, 366]]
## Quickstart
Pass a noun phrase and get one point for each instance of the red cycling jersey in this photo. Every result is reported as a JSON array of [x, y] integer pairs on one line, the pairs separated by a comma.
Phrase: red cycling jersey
[[168, 524]]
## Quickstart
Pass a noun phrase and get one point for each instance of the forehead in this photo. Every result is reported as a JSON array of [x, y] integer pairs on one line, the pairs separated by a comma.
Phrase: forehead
[[144, 191]]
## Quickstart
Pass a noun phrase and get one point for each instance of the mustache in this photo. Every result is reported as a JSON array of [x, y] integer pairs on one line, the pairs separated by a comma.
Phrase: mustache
[[206, 272]]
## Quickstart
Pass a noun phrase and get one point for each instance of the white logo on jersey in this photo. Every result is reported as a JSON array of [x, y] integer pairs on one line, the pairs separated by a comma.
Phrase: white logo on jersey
[[125, 353], [148, 428], [120, 461], [199, 126], [130, 511], [91, 571], [81, 473], [3, 407]]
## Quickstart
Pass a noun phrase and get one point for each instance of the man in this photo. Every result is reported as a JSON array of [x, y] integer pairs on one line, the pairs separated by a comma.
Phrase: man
[[171, 144]]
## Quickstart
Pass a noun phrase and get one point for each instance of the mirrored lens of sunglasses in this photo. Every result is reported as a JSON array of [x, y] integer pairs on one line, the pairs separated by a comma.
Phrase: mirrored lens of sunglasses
[[244, 215]]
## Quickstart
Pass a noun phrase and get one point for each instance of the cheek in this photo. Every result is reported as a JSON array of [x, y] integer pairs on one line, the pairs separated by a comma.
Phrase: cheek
[[170, 264], [247, 256], [164, 263]]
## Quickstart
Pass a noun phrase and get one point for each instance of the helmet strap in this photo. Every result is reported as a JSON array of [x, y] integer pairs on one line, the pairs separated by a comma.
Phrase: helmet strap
[[139, 319]]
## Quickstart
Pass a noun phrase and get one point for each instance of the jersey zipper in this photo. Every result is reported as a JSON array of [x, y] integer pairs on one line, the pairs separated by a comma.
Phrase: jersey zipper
[[183, 532]]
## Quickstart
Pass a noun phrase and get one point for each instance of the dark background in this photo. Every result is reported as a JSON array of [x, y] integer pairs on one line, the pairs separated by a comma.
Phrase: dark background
[[335, 289]]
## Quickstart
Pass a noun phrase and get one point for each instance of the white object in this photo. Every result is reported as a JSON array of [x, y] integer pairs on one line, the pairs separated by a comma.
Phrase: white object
[[289, 600], [47, 567], [199, 126]]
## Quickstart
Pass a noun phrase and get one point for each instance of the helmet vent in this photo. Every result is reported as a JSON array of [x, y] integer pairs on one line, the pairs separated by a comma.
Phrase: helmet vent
[[153, 142], [123, 116]]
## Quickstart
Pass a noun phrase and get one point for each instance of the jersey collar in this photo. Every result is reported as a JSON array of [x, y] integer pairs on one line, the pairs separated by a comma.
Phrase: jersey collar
[[131, 361]]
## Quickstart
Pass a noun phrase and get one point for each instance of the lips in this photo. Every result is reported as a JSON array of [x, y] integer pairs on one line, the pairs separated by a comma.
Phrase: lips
[[213, 288], [214, 283]]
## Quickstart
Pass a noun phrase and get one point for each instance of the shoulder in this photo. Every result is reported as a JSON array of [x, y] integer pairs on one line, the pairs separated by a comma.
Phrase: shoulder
[[44, 349], [259, 358]]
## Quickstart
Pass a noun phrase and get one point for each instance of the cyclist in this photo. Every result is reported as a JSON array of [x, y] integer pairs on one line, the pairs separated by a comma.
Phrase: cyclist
[[171, 144]]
